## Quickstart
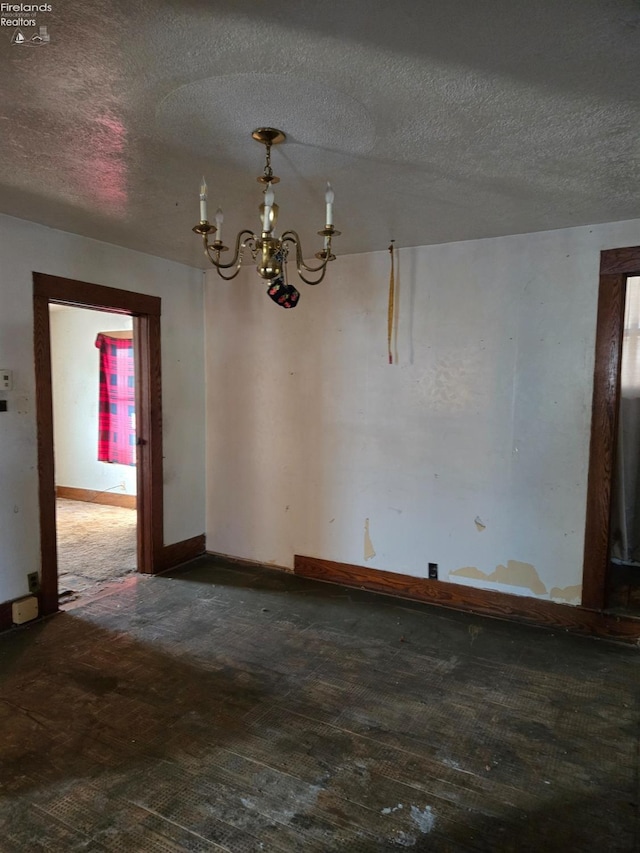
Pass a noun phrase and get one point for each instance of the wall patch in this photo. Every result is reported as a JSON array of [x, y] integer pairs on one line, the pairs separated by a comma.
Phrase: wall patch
[[369, 550], [570, 594], [514, 573]]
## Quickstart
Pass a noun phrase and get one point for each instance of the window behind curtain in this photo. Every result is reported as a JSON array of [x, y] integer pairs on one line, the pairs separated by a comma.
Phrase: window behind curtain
[[117, 420]]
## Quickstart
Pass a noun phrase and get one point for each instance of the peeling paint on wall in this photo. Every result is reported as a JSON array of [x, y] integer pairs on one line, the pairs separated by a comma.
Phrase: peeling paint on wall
[[470, 572], [479, 524], [570, 594], [369, 551], [514, 573]]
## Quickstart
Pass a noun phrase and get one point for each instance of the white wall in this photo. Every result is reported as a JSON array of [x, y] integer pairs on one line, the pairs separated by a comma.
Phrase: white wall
[[485, 416], [24, 248], [75, 366]]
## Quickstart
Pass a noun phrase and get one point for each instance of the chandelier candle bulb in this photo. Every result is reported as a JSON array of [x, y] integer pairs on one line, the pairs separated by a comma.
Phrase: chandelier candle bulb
[[219, 221], [203, 201], [328, 197], [268, 202]]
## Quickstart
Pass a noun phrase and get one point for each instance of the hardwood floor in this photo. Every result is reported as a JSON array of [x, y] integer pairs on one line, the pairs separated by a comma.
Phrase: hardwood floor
[[233, 709], [96, 546]]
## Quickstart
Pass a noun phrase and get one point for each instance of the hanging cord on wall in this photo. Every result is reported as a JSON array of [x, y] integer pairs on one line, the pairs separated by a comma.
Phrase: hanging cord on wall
[[392, 287]]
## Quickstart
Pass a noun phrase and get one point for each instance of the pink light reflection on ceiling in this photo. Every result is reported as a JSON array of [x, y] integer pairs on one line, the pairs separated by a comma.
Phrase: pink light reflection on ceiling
[[106, 169]]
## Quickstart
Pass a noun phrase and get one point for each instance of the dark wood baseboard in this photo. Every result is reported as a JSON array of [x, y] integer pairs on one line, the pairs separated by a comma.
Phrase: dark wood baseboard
[[485, 602], [89, 496], [180, 552], [248, 564]]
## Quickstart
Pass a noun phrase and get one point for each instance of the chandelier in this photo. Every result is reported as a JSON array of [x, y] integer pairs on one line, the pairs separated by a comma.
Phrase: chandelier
[[269, 252]]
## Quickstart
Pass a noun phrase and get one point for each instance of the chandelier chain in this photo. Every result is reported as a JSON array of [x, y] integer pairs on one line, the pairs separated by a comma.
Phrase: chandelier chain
[[268, 171]]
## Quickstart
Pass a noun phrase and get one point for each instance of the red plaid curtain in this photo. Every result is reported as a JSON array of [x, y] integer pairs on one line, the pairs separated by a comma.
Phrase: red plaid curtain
[[117, 418]]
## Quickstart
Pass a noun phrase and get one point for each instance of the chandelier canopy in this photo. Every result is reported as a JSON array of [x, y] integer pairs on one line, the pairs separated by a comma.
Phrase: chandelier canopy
[[269, 252]]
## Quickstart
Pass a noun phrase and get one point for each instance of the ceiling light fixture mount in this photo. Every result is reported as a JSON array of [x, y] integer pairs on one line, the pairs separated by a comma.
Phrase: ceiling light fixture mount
[[267, 250]]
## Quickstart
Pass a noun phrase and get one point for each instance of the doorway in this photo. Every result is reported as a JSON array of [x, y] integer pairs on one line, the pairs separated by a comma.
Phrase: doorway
[[93, 382], [144, 312], [617, 266]]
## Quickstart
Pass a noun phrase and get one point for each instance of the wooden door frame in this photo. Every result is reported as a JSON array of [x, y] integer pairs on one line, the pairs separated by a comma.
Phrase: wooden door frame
[[145, 311], [616, 265]]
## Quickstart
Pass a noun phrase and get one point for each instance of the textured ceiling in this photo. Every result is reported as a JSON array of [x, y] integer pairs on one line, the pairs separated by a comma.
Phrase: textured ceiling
[[435, 121]]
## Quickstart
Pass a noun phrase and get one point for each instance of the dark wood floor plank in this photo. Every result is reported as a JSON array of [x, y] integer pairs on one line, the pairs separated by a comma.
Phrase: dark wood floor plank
[[226, 709]]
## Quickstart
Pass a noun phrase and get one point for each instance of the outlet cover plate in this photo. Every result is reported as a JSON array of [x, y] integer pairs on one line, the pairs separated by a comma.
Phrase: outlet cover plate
[[24, 610]]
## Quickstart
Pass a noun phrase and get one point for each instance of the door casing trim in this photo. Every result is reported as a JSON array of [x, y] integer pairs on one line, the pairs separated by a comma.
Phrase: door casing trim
[[616, 265], [146, 311]]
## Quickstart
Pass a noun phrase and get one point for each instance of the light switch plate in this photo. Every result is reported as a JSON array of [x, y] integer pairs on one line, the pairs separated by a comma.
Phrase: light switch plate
[[6, 379]]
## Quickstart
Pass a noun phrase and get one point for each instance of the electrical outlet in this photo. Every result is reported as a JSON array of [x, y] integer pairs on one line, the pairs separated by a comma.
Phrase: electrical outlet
[[33, 579], [433, 571]]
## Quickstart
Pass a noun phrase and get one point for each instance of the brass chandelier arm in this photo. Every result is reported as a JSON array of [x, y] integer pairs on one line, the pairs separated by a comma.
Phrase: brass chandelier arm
[[292, 237], [240, 244], [317, 281], [229, 277]]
